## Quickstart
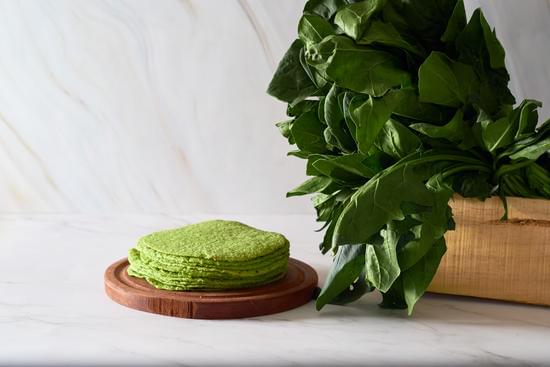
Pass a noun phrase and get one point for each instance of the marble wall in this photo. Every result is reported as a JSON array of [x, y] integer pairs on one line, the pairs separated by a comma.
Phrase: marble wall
[[159, 106]]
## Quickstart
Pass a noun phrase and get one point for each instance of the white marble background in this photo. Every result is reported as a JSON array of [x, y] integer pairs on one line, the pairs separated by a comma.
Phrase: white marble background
[[159, 106]]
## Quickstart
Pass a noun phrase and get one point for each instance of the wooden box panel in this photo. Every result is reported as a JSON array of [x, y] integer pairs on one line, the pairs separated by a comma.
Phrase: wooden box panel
[[489, 258]]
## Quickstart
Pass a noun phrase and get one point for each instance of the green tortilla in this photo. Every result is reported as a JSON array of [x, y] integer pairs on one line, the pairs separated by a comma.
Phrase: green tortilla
[[212, 255]]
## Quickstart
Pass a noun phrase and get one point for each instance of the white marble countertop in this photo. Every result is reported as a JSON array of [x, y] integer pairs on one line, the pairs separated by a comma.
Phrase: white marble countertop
[[53, 310]]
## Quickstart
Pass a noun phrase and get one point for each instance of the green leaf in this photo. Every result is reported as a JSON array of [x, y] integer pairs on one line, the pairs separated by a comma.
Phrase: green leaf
[[385, 34], [313, 28], [434, 223], [473, 185], [477, 40], [541, 133], [325, 205], [354, 19], [457, 130], [376, 203], [380, 200], [313, 185], [478, 46], [527, 117], [456, 24], [519, 124], [290, 82], [321, 110], [358, 68], [308, 131], [298, 154], [349, 103], [410, 107], [346, 267], [397, 140], [349, 167], [301, 108], [338, 201], [325, 8], [370, 117], [284, 129], [538, 179], [497, 134], [318, 77], [312, 158], [332, 142], [394, 297], [382, 268], [445, 82], [355, 291], [417, 278], [334, 117], [426, 20], [534, 151]]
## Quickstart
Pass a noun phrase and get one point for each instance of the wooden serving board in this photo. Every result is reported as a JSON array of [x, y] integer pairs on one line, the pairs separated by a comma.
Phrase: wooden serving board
[[489, 258], [294, 290]]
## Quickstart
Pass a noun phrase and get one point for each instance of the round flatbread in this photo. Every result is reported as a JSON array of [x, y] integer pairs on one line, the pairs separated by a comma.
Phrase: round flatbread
[[210, 255]]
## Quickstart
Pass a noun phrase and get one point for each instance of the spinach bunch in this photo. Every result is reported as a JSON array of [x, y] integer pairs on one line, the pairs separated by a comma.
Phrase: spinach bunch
[[396, 105]]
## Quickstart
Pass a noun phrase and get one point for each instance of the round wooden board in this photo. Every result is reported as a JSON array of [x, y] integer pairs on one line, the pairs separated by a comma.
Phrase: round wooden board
[[294, 290]]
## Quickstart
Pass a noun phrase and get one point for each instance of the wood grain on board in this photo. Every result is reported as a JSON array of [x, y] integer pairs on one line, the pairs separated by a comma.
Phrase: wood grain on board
[[294, 290]]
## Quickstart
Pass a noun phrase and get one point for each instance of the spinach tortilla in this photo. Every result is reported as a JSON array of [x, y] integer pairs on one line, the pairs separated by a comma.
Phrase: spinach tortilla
[[211, 255]]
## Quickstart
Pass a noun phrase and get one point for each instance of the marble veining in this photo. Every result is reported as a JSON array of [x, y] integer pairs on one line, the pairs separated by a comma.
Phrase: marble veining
[[53, 310], [160, 106]]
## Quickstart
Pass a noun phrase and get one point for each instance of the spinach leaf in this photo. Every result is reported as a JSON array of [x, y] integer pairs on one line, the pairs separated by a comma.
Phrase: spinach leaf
[[417, 278], [394, 298], [534, 151], [318, 77], [325, 8], [313, 29], [473, 185], [349, 167], [457, 131], [307, 131], [291, 83], [313, 185], [479, 47], [445, 82], [409, 106], [527, 117], [434, 223], [397, 140], [369, 119], [354, 19], [426, 20], [358, 68], [374, 204], [284, 129], [497, 134], [334, 117], [346, 267], [382, 268], [355, 291], [456, 24], [385, 34], [301, 107], [538, 179]]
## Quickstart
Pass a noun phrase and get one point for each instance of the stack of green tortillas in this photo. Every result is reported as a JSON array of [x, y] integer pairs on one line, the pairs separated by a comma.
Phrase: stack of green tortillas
[[210, 255]]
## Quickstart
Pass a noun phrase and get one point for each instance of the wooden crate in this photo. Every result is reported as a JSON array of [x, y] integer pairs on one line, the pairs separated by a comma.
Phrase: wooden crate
[[489, 258]]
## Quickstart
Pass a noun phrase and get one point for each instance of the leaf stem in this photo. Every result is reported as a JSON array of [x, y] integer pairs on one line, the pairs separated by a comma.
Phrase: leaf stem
[[510, 168], [470, 167]]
